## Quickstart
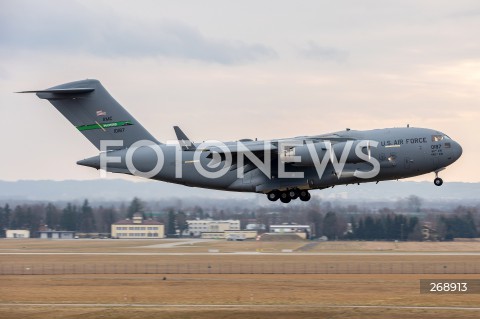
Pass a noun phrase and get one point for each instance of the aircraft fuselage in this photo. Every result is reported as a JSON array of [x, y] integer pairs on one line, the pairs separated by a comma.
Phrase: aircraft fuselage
[[400, 153]]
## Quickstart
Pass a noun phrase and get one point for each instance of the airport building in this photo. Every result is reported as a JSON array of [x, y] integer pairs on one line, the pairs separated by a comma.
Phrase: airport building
[[17, 233], [198, 226], [303, 231], [257, 227], [231, 235], [56, 234], [138, 228], [428, 232]]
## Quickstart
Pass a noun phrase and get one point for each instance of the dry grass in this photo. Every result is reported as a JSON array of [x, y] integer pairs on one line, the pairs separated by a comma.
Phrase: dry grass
[[150, 246], [295, 295], [228, 289], [230, 313], [358, 246], [247, 296]]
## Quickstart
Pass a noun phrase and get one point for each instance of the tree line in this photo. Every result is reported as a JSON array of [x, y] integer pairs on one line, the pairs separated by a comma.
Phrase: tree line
[[82, 218], [348, 223]]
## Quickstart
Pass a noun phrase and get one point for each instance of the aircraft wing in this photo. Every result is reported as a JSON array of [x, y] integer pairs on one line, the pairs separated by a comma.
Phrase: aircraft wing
[[333, 138], [243, 147]]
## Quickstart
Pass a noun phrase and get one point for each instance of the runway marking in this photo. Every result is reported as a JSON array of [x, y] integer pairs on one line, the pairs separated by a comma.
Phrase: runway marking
[[185, 243]]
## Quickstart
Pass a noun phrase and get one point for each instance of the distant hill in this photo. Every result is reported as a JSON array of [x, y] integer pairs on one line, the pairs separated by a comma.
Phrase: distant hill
[[123, 190], [101, 189], [394, 190]]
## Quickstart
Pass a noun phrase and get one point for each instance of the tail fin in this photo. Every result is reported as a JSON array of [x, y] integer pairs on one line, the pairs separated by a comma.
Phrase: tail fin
[[95, 113]]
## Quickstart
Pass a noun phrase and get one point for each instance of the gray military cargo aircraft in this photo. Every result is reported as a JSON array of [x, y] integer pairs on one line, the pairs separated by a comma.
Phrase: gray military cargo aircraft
[[284, 169]]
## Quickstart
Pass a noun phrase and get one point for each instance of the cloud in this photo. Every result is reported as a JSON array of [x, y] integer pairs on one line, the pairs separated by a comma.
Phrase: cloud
[[69, 27], [173, 39], [325, 53]]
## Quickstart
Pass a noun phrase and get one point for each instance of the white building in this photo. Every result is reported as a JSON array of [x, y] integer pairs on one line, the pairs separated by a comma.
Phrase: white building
[[56, 234], [17, 233], [231, 235], [199, 226], [137, 227], [303, 231], [289, 228], [260, 227]]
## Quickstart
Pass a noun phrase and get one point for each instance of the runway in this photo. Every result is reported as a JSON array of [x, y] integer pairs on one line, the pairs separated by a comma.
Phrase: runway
[[380, 253]]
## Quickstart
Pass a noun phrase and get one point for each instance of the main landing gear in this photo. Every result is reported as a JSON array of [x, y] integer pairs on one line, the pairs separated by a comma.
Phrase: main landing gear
[[438, 181], [289, 195]]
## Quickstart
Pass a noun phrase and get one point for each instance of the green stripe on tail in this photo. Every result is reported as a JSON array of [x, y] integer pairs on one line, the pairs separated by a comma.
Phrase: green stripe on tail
[[97, 126]]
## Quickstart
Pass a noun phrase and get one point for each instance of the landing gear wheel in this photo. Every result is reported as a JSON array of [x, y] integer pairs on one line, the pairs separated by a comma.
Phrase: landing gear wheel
[[273, 195], [285, 197], [304, 195], [285, 200], [438, 181], [293, 193]]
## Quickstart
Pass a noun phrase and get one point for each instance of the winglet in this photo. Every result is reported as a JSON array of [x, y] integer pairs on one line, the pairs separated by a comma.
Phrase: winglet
[[184, 141]]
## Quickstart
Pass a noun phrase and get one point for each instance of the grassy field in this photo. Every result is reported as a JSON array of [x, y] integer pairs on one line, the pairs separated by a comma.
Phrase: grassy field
[[229, 295], [201, 246], [246, 296]]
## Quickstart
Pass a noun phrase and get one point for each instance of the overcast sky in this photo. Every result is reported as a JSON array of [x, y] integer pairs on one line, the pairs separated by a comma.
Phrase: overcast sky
[[228, 70]]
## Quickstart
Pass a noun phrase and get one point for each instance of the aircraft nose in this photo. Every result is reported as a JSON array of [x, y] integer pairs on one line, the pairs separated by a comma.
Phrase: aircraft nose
[[458, 150]]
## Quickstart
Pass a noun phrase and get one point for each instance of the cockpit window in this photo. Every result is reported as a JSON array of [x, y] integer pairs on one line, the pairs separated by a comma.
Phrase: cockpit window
[[437, 138]]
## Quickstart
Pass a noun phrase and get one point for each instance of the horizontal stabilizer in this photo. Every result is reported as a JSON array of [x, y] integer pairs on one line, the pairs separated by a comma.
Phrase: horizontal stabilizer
[[63, 91]]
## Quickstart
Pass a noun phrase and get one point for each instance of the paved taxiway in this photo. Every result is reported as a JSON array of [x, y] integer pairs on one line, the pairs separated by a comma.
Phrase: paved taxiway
[[254, 253]]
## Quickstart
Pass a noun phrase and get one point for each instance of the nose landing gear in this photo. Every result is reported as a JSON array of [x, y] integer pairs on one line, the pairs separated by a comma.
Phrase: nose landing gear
[[438, 181], [289, 195]]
